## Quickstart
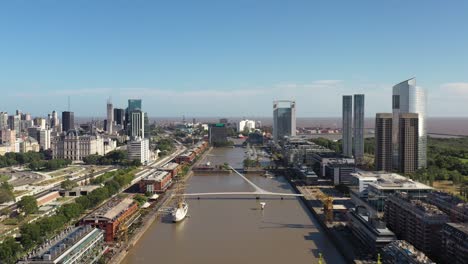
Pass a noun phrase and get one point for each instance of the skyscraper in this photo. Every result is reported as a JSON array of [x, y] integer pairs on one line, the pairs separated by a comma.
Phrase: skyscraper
[[358, 128], [347, 139], [284, 119], [110, 117], [137, 124], [68, 121], [119, 116], [408, 143], [134, 104], [383, 142], [408, 98], [3, 120]]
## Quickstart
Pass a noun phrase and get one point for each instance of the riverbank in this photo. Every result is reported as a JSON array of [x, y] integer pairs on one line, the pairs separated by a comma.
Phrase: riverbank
[[316, 208], [150, 218]]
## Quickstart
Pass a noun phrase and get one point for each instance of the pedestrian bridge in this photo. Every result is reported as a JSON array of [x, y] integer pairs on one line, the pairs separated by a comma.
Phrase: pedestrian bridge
[[257, 190]]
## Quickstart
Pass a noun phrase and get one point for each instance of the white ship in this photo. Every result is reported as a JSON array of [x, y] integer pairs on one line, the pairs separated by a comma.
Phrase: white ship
[[180, 212]]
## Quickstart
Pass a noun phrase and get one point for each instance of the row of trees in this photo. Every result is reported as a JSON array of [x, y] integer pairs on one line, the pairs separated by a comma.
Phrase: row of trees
[[33, 234], [6, 193], [116, 157], [55, 164], [165, 145], [13, 158]]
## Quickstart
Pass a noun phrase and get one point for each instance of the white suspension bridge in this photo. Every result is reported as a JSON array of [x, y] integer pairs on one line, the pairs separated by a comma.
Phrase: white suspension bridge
[[257, 190]]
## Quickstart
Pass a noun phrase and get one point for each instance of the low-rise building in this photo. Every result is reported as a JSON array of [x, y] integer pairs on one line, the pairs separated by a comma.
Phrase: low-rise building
[[455, 243], [401, 251], [79, 190], [83, 244], [158, 181], [74, 146], [172, 167], [111, 215], [339, 171], [29, 144], [372, 232]]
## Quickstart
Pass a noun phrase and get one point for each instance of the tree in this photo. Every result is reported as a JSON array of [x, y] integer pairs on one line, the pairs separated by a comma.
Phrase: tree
[[28, 204], [9, 250], [68, 184], [140, 199]]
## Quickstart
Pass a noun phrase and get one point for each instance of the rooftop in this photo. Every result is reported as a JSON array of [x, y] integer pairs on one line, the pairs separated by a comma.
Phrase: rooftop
[[112, 209], [156, 176], [169, 166], [407, 250]]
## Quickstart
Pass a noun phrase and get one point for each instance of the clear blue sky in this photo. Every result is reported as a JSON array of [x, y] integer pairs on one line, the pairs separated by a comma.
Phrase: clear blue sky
[[233, 58]]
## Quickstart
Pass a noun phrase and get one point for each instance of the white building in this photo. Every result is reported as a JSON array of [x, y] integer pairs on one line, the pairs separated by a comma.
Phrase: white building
[[138, 149], [44, 138], [72, 146], [246, 124]]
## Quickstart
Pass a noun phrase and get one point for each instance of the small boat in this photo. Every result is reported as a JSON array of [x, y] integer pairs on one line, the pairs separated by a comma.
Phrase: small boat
[[262, 205]]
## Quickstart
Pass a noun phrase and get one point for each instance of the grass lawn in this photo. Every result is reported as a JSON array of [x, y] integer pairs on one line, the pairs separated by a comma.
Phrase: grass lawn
[[447, 186], [464, 160], [4, 178], [62, 172]]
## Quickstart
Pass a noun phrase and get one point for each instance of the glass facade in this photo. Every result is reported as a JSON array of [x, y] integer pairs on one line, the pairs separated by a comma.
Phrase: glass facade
[[347, 140], [409, 98], [358, 135], [284, 120]]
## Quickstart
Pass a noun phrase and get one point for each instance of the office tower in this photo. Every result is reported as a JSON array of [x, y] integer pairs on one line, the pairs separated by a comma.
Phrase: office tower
[[284, 119], [3, 120], [139, 149], [68, 121], [347, 138], [358, 129], [54, 123], [134, 104], [383, 142], [137, 124], [217, 134], [110, 117], [408, 98], [40, 122], [408, 143], [146, 124], [14, 123], [119, 116]]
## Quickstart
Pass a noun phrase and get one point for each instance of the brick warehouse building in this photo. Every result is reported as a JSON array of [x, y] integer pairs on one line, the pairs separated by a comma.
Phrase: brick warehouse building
[[111, 215]]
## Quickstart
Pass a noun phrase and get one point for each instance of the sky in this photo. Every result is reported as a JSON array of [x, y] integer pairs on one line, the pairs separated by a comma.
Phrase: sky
[[230, 58]]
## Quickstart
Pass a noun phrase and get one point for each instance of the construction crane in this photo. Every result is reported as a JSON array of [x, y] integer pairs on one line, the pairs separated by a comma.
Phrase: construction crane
[[327, 205]]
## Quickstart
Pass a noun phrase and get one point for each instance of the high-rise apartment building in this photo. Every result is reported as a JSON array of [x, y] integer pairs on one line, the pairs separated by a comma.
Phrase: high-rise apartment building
[[347, 138], [455, 243], [408, 98], [383, 142], [68, 121], [358, 129], [110, 117], [284, 119], [408, 143], [138, 149]]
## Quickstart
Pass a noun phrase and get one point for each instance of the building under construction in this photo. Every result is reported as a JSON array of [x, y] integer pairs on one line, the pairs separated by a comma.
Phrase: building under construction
[[117, 214], [401, 251], [415, 221]]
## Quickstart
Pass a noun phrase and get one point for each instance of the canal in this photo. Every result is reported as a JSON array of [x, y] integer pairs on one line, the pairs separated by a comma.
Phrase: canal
[[234, 229]]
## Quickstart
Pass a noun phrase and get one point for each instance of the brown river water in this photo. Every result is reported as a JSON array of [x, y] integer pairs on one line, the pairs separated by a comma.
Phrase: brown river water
[[234, 229]]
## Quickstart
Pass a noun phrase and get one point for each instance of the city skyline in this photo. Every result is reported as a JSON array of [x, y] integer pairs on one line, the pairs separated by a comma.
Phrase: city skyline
[[230, 62]]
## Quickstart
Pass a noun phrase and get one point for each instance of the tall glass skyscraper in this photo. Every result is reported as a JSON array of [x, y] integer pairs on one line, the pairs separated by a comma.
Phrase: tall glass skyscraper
[[347, 126], [136, 118], [408, 98], [358, 130], [284, 119]]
